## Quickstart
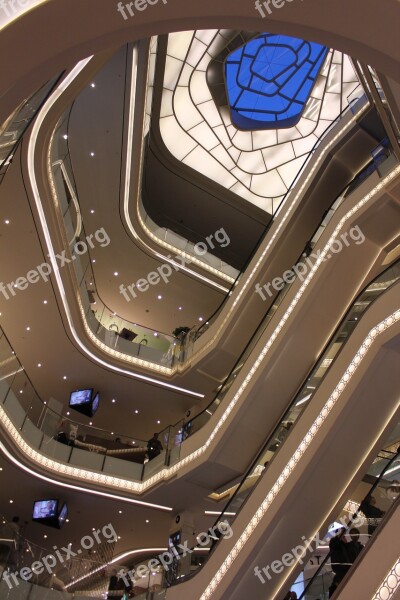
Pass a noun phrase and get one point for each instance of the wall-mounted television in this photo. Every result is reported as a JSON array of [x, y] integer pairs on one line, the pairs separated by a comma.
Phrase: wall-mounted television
[[45, 512], [84, 401], [62, 517]]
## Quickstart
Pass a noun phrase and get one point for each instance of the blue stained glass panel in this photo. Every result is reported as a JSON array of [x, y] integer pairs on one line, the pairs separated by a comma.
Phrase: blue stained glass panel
[[269, 80]]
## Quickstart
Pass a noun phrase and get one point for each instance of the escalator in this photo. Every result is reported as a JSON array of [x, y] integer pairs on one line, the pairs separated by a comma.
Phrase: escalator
[[321, 464]]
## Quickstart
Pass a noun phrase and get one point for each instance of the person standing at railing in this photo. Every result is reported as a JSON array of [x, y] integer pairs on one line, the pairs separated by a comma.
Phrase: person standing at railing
[[154, 447]]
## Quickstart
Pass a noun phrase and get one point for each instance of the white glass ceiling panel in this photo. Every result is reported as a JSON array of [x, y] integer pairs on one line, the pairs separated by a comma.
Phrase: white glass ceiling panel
[[278, 155], [179, 43], [212, 167], [243, 140], [196, 52], [244, 177], [189, 115], [251, 162], [172, 71], [223, 157], [205, 136], [289, 171], [205, 35], [210, 113], [199, 88], [263, 184], [176, 140], [166, 104]]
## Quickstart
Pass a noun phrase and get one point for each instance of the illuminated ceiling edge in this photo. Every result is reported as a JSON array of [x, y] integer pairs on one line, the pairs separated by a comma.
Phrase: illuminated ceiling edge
[[35, 191], [20, 465], [146, 230]]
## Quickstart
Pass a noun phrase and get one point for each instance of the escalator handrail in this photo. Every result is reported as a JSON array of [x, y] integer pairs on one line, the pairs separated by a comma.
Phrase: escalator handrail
[[270, 438]]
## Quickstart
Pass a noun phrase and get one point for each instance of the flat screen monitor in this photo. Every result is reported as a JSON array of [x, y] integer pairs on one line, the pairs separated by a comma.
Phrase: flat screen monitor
[[46, 512], [85, 402], [80, 397], [62, 516], [95, 403]]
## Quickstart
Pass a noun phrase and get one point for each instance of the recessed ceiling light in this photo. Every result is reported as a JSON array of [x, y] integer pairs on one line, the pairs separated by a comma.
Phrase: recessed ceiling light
[[159, 297], [158, 422], [65, 377], [11, 501], [133, 442], [65, 136], [21, 391], [68, 413], [44, 301], [28, 328], [7, 222], [136, 412], [200, 319], [116, 273], [92, 85], [39, 365], [113, 400], [120, 512], [91, 424], [155, 334], [67, 520], [45, 536], [94, 260], [1, 468], [92, 154], [147, 521], [180, 308], [92, 212], [119, 537]]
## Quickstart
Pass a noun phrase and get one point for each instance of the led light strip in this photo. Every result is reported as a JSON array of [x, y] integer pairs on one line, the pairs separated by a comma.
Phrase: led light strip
[[71, 190], [149, 233], [390, 584], [35, 190], [76, 488], [300, 451]]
